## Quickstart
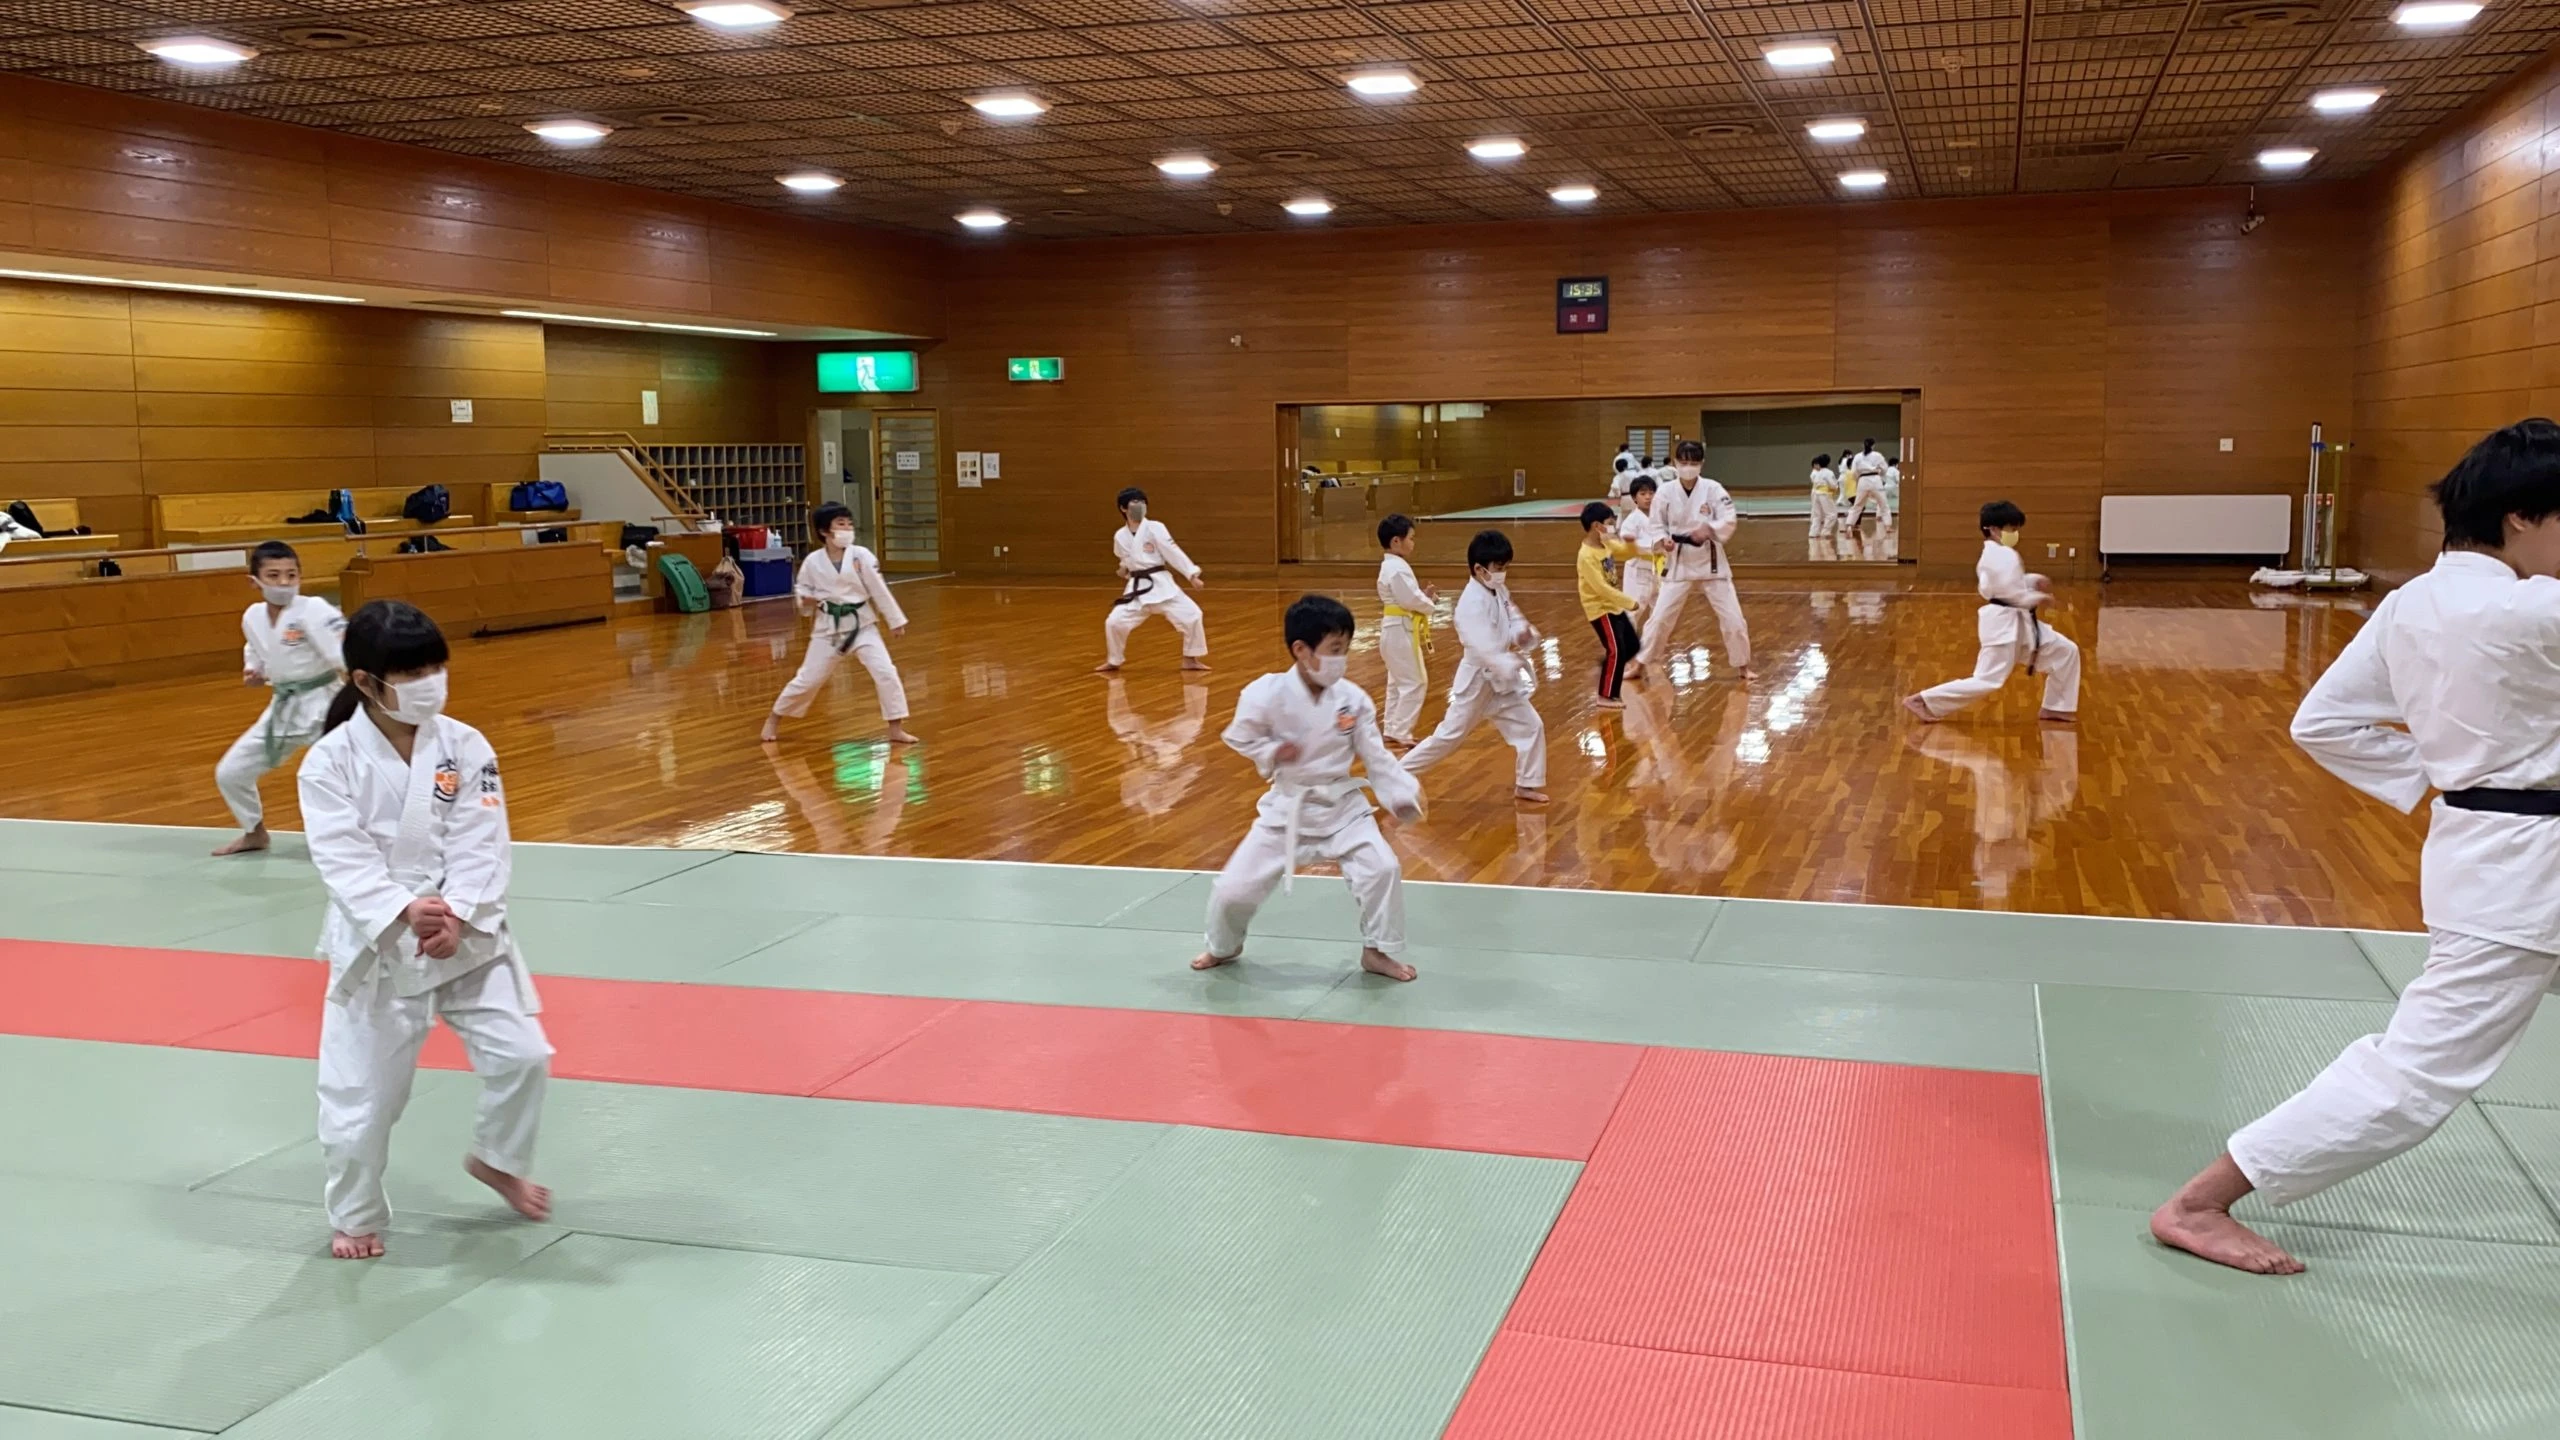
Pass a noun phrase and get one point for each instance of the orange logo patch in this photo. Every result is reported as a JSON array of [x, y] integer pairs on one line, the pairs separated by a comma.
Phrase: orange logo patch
[[293, 634], [1343, 720], [448, 780]]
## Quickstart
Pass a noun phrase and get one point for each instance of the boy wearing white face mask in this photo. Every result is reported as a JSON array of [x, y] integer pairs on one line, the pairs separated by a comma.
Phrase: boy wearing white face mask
[[408, 826], [840, 583], [1148, 562], [1492, 681], [2011, 628], [290, 643], [1302, 728], [1700, 518]]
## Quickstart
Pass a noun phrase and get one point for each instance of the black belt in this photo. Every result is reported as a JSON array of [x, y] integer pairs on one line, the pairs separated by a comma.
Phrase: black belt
[[2035, 627], [1137, 585], [1715, 552], [2506, 802]]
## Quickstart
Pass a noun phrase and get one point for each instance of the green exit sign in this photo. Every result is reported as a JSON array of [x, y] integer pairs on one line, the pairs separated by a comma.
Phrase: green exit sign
[[849, 372], [1035, 367]]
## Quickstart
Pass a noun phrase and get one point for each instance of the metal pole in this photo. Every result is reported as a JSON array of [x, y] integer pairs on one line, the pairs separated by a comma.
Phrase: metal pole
[[2314, 544]]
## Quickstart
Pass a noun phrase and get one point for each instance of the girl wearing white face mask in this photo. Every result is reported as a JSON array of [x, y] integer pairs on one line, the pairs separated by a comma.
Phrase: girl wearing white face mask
[[1701, 518], [1493, 681], [1302, 728], [289, 642], [2012, 631], [408, 826]]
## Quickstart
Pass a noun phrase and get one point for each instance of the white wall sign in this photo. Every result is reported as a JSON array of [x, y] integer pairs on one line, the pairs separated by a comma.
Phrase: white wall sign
[[966, 466], [987, 465], [1519, 483], [648, 407], [910, 460], [830, 459], [461, 412]]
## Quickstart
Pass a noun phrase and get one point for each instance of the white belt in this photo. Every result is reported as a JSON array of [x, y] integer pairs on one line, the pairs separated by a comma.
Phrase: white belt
[[1298, 797]]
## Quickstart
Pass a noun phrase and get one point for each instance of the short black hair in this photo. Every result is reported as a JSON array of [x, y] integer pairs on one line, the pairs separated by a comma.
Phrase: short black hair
[[2002, 515], [271, 550], [1689, 450], [1871, 444], [1641, 484], [385, 638], [2514, 471], [1490, 547], [1132, 493], [1392, 529], [1311, 619], [1597, 512], [824, 518], [1822, 461]]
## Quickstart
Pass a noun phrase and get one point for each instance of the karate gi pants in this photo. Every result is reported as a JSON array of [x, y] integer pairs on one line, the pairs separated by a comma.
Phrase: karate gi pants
[[1643, 585], [1255, 870], [1514, 718], [1826, 512], [1179, 611], [2058, 661], [820, 663], [369, 1056], [2454, 1027], [1408, 677], [242, 766], [1674, 597], [1854, 508]]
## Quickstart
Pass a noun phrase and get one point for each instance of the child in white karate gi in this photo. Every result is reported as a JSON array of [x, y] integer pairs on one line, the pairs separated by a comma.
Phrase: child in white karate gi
[[1826, 498], [1700, 517], [289, 643], [1302, 728], [2011, 628], [840, 584], [2466, 657], [408, 826], [1404, 631], [1492, 682], [1862, 487], [1642, 577], [1148, 562]]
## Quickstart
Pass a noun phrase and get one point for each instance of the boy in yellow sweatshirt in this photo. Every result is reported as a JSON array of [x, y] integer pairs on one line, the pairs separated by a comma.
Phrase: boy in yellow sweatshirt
[[1607, 607]]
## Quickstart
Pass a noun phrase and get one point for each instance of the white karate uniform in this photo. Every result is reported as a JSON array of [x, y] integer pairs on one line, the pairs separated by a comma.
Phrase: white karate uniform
[[1400, 643], [1642, 578], [1703, 568], [1892, 491], [1867, 488], [853, 579], [2467, 657], [2011, 635], [383, 832], [1826, 502], [1151, 547], [301, 647], [1314, 807], [1491, 684]]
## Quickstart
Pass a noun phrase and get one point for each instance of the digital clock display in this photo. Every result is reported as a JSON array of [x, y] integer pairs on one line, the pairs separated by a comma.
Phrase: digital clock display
[[1585, 289], [1582, 305]]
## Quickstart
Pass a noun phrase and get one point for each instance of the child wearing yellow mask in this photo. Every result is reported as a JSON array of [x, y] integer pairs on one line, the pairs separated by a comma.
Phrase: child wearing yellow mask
[[2012, 631]]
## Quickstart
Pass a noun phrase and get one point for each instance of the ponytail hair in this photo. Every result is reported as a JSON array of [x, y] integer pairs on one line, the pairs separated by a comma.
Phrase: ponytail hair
[[384, 638]]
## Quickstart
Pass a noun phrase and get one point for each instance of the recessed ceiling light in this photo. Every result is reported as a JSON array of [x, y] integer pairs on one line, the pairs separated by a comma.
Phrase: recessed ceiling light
[[981, 219], [252, 292], [2346, 102], [570, 132], [1292, 156], [1009, 107], [1309, 205], [1574, 194], [1862, 179], [738, 14], [1497, 147], [1800, 54], [199, 50], [1836, 132], [324, 37], [1186, 167], [1379, 84], [2434, 14], [811, 182], [2286, 157], [637, 324]]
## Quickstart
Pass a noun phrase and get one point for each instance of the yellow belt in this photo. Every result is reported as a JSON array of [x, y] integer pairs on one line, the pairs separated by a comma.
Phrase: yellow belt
[[1421, 623]]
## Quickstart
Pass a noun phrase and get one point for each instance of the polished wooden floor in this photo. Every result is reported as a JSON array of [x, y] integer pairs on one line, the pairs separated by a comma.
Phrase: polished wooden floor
[[2178, 796]]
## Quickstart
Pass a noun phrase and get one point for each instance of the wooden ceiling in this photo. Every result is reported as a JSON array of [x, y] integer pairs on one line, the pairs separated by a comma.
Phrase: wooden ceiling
[[1664, 105]]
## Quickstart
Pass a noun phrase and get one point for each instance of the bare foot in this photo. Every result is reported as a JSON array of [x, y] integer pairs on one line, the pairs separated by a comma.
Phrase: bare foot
[[355, 1247], [527, 1199], [2209, 1233], [2058, 717], [250, 843], [1396, 743], [1750, 674], [1610, 704], [1378, 962], [901, 735], [1528, 796], [1190, 662], [1106, 668], [1635, 669], [1208, 961], [772, 732], [1919, 708]]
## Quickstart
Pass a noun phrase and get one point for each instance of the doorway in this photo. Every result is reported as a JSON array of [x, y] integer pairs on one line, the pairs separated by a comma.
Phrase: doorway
[[907, 459]]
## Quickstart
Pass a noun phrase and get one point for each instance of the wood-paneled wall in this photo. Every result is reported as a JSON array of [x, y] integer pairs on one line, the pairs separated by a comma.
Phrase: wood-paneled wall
[[710, 390], [2063, 346], [2460, 313], [92, 174]]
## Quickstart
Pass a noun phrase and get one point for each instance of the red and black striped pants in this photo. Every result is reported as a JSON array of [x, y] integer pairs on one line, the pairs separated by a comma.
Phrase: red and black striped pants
[[1618, 646]]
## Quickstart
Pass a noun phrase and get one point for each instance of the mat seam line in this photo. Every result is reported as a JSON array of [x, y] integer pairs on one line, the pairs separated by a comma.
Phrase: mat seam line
[[2372, 962], [1714, 919], [34, 1409], [2301, 1224], [1105, 923], [233, 1169], [2515, 1157], [921, 1026], [813, 922], [1509, 1328], [709, 858]]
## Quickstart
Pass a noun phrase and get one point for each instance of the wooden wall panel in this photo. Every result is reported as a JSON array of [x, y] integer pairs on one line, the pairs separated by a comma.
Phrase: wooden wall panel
[[710, 390]]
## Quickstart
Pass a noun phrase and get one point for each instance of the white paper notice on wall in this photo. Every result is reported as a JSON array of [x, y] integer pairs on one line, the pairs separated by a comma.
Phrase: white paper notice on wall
[[461, 412], [1519, 483], [965, 463], [910, 460], [648, 407], [830, 459], [987, 465]]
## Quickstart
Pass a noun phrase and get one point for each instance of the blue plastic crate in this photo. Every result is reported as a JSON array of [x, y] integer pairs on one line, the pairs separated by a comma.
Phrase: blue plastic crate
[[767, 577]]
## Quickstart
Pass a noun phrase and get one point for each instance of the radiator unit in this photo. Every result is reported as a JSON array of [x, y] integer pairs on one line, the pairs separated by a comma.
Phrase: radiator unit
[[2244, 525]]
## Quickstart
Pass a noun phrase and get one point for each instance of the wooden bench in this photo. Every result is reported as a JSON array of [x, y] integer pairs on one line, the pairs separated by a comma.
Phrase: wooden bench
[[59, 515], [250, 516], [83, 633], [490, 591], [500, 513]]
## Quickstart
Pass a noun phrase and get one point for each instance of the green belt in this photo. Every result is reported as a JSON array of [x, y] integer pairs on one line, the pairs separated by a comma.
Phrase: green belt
[[837, 610], [288, 691]]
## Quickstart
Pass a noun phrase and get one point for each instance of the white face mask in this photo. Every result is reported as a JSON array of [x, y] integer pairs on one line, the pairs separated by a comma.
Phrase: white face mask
[[1686, 472], [279, 595], [839, 539], [418, 701], [1137, 512], [1329, 669], [1497, 580], [2007, 537]]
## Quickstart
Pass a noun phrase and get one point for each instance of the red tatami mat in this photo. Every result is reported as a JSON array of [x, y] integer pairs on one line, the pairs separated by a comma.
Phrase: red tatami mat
[[144, 997], [1885, 1219], [1541, 1387]]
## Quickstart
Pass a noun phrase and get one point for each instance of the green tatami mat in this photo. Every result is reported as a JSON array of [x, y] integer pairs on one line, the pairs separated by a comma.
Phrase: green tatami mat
[[1044, 964], [192, 1310], [2397, 954], [2046, 949], [93, 849], [1960, 1024], [17, 1424], [1479, 917], [2533, 1133], [2388, 1337], [896, 1184], [2143, 1088], [614, 939], [597, 872], [625, 1340], [841, 885], [145, 1113], [1241, 1286], [155, 910]]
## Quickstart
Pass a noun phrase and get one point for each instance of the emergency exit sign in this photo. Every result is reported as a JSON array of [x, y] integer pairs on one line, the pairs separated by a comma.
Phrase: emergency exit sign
[[1035, 367]]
